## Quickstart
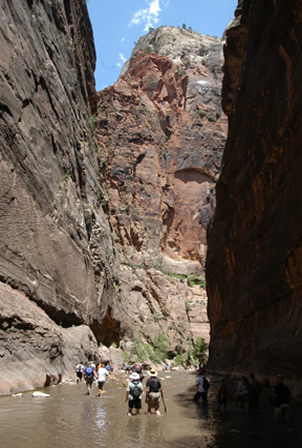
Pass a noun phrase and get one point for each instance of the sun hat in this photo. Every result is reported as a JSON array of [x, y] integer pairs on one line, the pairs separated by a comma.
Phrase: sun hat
[[134, 376], [152, 372]]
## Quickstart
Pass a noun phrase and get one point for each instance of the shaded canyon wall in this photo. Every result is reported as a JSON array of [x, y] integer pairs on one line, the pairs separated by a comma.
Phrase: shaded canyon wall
[[255, 241]]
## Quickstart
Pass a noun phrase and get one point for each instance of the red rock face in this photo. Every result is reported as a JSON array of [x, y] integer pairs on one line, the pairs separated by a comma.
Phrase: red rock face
[[160, 134], [254, 258]]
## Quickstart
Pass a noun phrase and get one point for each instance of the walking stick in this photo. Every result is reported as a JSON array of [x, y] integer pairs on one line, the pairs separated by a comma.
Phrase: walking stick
[[164, 403]]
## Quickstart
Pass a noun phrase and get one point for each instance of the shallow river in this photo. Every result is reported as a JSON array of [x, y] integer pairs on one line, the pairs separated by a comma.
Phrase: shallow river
[[71, 419]]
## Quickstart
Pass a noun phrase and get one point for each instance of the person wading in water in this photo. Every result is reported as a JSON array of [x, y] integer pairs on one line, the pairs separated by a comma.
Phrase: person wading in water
[[153, 392], [133, 394], [89, 376]]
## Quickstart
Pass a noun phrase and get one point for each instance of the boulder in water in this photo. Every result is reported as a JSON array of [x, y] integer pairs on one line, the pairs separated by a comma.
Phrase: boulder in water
[[39, 394]]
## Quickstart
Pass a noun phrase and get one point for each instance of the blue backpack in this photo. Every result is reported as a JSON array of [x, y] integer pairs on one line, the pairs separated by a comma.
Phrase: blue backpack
[[89, 372]]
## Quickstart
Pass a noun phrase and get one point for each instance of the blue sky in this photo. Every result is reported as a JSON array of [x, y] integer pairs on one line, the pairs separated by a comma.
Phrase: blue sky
[[118, 24]]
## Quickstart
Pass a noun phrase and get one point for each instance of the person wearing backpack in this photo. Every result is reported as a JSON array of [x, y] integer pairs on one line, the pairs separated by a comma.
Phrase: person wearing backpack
[[89, 373], [134, 392], [203, 387], [153, 392], [79, 371]]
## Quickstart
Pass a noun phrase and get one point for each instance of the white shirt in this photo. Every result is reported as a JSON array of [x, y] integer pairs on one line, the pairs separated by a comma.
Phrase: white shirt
[[102, 374], [199, 381], [131, 386]]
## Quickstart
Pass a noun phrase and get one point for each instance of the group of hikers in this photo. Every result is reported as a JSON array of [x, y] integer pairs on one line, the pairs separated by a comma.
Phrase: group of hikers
[[247, 393], [101, 372], [91, 372]]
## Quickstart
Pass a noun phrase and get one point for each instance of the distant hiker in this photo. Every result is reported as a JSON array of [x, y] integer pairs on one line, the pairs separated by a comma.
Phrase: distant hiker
[[222, 395], [153, 392], [241, 392], [134, 392], [102, 375], [139, 369], [203, 386], [89, 376], [280, 398], [254, 391], [79, 371]]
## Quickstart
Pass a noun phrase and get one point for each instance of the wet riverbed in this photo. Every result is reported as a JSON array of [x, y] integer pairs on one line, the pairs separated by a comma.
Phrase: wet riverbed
[[71, 419]]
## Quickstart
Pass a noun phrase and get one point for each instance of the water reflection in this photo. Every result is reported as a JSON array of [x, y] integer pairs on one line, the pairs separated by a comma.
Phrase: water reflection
[[69, 419]]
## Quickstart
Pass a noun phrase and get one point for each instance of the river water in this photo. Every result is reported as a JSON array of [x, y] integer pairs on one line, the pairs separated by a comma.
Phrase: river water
[[71, 419]]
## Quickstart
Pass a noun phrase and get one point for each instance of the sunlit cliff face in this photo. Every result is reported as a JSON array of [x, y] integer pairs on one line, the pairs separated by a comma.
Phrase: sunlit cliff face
[[160, 132]]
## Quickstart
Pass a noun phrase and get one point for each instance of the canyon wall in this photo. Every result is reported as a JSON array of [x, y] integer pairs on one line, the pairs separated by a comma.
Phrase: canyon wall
[[105, 198], [255, 241], [58, 265], [161, 132]]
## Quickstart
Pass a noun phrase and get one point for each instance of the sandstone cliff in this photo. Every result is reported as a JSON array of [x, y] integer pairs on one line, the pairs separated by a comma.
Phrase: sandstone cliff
[[254, 258], [146, 187], [161, 133], [58, 265]]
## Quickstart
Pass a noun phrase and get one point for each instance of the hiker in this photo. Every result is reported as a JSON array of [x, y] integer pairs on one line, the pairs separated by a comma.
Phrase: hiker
[[139, 369], [203, 386], [89, 376], [241, 392], [280, 398], [153, 392], [79, 371], [222, 395], [254, 391], [102, 375], [133, 394]]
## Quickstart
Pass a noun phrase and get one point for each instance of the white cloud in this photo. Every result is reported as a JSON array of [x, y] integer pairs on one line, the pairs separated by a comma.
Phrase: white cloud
[[122, 60], [148, 16], [122, 57]]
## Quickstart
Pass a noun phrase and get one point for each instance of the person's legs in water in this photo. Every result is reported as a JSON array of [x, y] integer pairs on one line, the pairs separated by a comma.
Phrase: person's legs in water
[[130, 406], [153, 402], [150, 403], [204, 397], [197, 396], [89, 382], [100, 385], [138, 405]]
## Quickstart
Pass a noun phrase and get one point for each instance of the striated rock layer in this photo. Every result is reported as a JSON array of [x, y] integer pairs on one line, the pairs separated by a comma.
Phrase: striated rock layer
[[56, 249], [255, 242], [160, 132]]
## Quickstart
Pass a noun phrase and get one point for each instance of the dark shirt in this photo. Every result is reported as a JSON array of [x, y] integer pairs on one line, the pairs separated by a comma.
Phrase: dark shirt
[[153, 384], [282, 394]]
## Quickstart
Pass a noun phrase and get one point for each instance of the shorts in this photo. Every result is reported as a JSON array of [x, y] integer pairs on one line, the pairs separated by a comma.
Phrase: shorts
[[101, 384], [80, 375], [89, 381], [153, 400], [136, 404]]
